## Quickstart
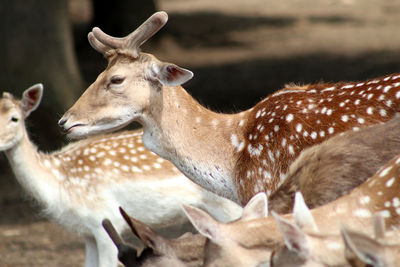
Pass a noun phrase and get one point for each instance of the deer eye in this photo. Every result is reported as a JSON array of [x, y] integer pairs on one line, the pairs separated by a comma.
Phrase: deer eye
[[14, 119], [117, 79]]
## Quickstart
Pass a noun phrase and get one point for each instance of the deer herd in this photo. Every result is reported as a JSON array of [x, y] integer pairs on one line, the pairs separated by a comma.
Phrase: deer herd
[[309, 176]]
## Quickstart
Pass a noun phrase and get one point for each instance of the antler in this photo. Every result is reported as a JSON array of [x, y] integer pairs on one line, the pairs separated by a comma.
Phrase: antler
[[103, 42]]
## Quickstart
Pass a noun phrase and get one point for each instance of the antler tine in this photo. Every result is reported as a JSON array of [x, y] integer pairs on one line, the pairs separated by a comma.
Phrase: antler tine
[[147, 29], [97, 45], [135, 39]]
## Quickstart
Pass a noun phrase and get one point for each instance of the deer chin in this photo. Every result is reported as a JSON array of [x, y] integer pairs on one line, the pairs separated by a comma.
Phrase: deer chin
[[80, 130], [5, 147]]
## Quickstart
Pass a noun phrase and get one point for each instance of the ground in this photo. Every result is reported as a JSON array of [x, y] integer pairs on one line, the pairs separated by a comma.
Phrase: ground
[[240, 51]]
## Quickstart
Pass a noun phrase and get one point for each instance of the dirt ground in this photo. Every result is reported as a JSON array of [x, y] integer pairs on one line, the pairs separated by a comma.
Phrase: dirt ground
[[240, 51]]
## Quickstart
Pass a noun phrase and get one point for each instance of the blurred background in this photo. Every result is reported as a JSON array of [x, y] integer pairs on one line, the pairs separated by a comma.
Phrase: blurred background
[[240, 51]]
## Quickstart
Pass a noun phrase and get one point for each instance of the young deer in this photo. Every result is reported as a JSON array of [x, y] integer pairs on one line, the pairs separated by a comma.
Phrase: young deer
[[234, 155], [326, 171], [350, 248], [251, 242], [187, 250], [381, 251], [88, 180]]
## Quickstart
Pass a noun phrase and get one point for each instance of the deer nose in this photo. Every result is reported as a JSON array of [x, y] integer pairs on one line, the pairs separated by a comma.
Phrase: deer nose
[[62, 122]]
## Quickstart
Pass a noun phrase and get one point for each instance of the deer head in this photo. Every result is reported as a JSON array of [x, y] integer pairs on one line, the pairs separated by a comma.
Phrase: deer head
[[131, 81], [362, 250], [14, 112]]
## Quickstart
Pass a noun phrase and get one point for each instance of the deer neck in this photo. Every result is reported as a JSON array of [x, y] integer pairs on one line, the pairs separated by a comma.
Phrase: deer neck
[[29, 167], [197, 140]]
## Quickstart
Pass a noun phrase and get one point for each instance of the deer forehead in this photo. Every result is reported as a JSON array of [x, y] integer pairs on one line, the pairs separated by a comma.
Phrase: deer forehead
[[7, 104], [129, 65]]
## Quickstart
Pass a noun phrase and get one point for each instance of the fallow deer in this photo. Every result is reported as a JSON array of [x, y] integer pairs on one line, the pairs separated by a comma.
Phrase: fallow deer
[[251, 242], [302, 248], [234, 155], [326, 171], [88, 180], [362, 250], [187, 250]]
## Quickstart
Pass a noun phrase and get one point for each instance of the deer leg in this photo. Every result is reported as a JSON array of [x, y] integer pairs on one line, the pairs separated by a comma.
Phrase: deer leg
[[91, 257]]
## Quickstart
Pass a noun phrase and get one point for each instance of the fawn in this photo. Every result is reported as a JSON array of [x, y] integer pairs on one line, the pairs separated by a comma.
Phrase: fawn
[[88, 180]]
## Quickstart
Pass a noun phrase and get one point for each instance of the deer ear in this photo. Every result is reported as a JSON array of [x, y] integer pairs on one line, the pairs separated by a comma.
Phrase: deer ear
[[302, 214], [126, 253], [31, 99], [256, 208], [169, 74], [295, 239], [363, 247], [146, 234], [204, 223]]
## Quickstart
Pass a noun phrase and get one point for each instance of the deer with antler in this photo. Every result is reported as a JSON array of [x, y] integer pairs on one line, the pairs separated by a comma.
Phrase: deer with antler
[[88, 180], [233, 155], [252, 242]]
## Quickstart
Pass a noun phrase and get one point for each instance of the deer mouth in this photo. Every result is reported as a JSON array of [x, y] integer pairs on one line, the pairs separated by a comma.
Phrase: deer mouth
[[70, 129]]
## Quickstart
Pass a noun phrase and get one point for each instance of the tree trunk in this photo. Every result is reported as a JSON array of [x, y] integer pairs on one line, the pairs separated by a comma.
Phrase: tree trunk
[[36, 46]]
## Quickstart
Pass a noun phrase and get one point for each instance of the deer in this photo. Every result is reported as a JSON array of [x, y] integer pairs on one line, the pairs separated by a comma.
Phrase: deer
[[252, 242], [362, 250], [233, 155], [86, 181], [186, 250], [350, 248], [324, 172]]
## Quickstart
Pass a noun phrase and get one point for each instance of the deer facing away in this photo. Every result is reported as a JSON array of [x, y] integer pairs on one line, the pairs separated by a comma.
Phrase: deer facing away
[[88, 180], [233, 155], [326, 171], [252, 242]]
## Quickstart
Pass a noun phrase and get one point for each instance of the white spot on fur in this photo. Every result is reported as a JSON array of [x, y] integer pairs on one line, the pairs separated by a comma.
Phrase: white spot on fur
[[385, 171], [362, 213], [291, 150], [299, 127], [390, 182], [364, 200], [385, 213], [289, 117], [396, 202], [284, 142], [348, 86]]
